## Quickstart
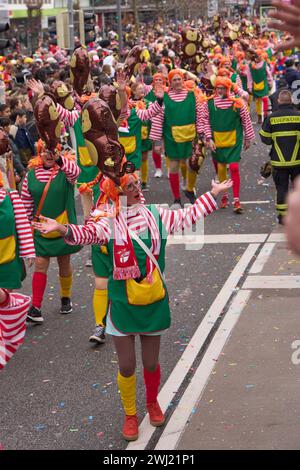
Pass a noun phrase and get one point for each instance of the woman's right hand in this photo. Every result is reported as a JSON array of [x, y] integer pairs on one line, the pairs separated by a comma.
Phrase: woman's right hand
[[47, 225]]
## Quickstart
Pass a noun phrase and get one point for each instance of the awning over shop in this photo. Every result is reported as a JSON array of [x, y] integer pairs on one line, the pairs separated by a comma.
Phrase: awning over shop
[[14, 14]]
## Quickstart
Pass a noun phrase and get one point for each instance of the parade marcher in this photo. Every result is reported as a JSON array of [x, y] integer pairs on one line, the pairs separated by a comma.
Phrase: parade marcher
[[130, 135], [158, 79], [178, 125], [13, 313], [226, 70], [48, 189], [281, 130], [16, 242], [260, 81], [227, 124], [138, 298], [137, 100]]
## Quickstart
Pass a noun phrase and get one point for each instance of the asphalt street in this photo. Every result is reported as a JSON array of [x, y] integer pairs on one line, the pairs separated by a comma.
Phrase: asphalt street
[[59, 391]]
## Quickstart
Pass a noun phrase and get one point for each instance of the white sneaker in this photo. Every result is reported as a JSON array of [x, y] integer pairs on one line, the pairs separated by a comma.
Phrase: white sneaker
[[158, 173]]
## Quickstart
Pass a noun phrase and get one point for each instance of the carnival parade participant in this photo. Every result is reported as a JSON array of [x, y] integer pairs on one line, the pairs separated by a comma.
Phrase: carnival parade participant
[[226, 70], [260, 82], [130, 134], [177, 125], [226, 124], [138, 298], [159, 80], [48, 189], [16, 242], [137, 101], [281, 130], [13, 313]]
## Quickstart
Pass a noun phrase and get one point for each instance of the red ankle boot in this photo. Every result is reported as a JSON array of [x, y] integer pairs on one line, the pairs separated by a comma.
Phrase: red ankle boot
[[131, 428], [156, 416]]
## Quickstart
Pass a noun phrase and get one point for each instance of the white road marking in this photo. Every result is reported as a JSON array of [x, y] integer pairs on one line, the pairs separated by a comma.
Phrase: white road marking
[[194, 391], [178, 374], [277, 237], [216, 239], [272, 282], [262, 258], [255, 202]]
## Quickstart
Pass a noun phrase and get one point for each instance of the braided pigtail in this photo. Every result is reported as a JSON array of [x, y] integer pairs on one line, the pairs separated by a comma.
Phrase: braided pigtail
[[87, 187]]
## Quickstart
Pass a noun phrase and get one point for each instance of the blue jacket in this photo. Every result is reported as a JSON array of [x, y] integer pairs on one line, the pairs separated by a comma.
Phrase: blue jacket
[[23, 140]]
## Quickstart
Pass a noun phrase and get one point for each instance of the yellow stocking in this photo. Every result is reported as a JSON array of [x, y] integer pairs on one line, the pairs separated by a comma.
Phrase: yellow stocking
[[222, 172], [65, 286], [127, 391], [191, 180], [144, 171], [100, 305], [183, 169]]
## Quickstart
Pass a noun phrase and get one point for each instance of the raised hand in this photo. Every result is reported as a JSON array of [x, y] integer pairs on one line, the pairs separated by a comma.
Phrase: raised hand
[[36, 86], [217, 188], [121, 80], [288, 15]]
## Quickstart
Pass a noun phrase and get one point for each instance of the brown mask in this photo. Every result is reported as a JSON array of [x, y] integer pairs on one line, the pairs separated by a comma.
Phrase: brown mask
[[101, 137], [110, 95], [62, 94], [79, 69], [191, 41], [134, 57], [197, 158], [48, 123], [4, 142]]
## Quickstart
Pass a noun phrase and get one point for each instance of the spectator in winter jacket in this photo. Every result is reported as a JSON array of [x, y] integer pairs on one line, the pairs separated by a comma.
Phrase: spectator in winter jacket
[[22, 137], [20, 170], [292, 75]]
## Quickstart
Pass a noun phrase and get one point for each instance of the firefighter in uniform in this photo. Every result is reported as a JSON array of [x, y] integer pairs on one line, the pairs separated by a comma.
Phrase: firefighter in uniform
[[281, 129]]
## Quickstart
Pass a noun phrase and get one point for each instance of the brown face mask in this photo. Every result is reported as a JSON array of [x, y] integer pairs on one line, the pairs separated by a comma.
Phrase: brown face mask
[[62, 94], [109, 94], [197, 158], [48, 123], [80, 69], [133, 58], [4, 142], [101, 137]]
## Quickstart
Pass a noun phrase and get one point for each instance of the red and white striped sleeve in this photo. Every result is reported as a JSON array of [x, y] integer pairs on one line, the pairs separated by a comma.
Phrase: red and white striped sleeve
[[175, 220], [199, 119], [23, 228], [240, 90], [269, 76], [149, 113], [157, 123], [68, 117], [70, 169], [13, 314], [247, 123], [147, 89], [92, 233], [249, 78], [205, 121], [27, 199]]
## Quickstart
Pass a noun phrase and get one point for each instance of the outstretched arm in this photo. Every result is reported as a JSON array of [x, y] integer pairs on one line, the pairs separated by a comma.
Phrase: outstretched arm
[[175, 220], [92, 233]]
